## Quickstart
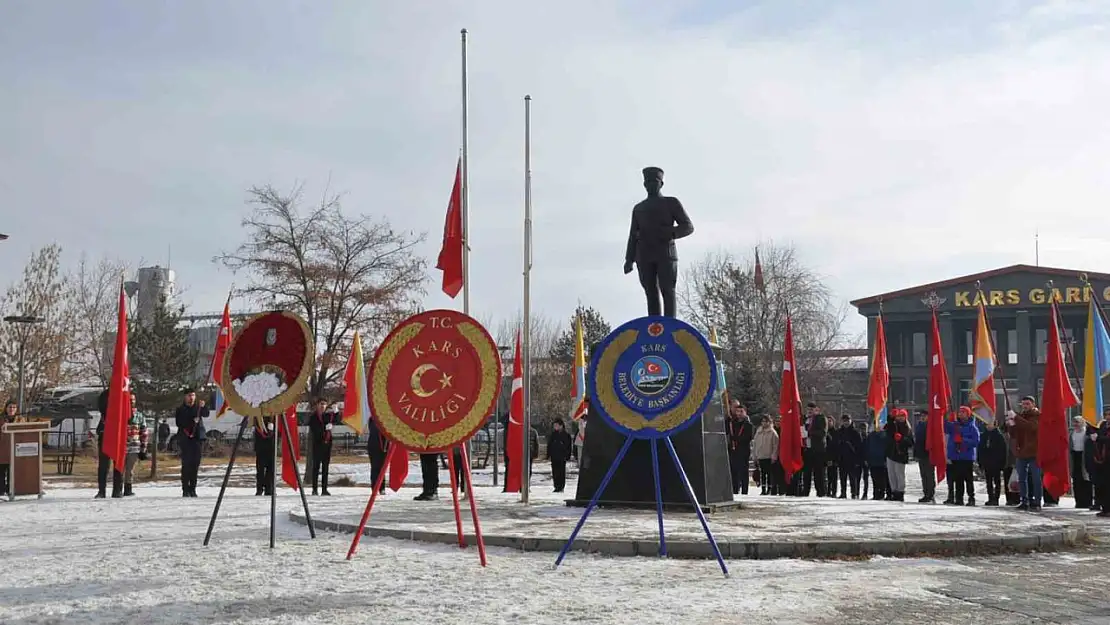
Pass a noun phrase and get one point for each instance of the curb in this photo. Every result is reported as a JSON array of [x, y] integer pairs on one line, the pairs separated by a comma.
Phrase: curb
[[1071, 535]]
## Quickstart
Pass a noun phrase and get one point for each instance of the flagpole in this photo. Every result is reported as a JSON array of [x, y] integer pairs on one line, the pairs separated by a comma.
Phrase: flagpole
[[525, 467], [1062, 331], [994, 347], [465, 184]]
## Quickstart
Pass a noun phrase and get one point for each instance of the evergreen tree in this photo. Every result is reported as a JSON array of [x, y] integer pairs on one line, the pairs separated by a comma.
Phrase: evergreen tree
[[744, 385], [162, 361], [594, 329]]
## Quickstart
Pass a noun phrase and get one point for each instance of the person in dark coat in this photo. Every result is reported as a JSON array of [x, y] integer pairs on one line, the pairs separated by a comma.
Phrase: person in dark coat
[[559, 446], [320, 424], [921, 455], [377, 446], [849, 446], [740, 433], [460, 469], [429, 477], [1089, 460], [832, 443], [1080, 478], [875, 445], [1102, 468], [814, 450], [11, 409], [189, 418], [899, 442], [992, 460], [263, 456]]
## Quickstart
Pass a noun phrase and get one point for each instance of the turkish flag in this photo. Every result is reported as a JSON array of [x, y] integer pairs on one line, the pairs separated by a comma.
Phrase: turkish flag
[[514, 439], [289, 465], [450, 260], [790, 404], [1057, 397], [939, 392], [114, 444]]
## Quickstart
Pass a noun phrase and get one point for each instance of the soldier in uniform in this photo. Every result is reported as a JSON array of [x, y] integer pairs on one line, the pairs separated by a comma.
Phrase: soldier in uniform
[[190, 429], [263, 456], [319, 428]]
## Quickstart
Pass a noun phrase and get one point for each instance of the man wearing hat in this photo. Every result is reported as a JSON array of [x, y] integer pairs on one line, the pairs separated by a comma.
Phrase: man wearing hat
[[189, 417], [656, 222]]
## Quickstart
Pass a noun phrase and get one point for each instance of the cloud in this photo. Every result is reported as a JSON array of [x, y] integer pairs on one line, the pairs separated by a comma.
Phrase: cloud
[[894, 146]]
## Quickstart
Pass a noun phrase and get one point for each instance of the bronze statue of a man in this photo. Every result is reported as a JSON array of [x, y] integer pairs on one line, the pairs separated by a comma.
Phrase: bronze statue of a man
[[656, 222]]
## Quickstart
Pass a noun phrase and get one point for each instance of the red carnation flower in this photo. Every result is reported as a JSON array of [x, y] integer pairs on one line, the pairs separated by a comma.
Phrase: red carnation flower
[[897, 437]]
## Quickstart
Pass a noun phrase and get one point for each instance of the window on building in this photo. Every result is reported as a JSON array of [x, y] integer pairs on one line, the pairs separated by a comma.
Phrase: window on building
[[964, 392], [1040, 339], [920, 395], [894, 348], [1004, 389], [920, 350], [898, 390], [969, 347], [1011, 347]]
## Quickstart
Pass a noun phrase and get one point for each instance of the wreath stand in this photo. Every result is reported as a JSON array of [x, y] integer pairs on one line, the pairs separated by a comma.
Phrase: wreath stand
[[454, 501], [281, 434]]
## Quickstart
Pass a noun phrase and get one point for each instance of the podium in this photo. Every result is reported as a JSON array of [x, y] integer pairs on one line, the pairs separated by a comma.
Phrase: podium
[[21, 450]]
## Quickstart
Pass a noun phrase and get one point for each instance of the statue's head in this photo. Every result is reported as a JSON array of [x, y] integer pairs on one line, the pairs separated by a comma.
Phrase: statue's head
[[653, 180]]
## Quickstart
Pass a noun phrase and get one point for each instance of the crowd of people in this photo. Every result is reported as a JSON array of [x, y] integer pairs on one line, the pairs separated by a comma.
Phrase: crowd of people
[[849, 458]]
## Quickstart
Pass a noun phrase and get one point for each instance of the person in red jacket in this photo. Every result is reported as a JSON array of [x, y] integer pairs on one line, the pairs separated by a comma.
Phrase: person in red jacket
[[1024, 432]]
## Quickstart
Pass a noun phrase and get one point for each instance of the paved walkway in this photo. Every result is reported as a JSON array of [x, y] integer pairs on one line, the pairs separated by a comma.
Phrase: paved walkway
[[766, 527]]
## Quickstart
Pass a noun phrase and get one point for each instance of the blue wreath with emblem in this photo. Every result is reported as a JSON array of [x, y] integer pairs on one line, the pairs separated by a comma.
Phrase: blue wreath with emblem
[[652, 377]]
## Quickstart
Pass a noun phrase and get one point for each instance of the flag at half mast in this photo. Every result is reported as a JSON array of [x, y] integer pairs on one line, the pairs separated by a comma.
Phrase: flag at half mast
[[578, 372], [982, 398]]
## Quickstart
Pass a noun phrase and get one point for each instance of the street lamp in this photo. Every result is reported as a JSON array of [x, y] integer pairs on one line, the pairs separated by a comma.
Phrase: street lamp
[[24, 319]]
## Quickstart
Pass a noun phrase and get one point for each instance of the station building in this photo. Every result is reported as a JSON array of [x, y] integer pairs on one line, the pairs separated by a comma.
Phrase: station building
[[1016, 299]]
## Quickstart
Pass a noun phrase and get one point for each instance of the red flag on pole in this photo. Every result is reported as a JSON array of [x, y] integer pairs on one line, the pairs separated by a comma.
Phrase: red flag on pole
[[939, 392], [450, 260], [289, 465], [790, 404], [1057, 397], [114, 444], [514, 439]]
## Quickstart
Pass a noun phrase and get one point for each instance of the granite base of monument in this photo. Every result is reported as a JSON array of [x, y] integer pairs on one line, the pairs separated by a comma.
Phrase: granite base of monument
[[702, 448]]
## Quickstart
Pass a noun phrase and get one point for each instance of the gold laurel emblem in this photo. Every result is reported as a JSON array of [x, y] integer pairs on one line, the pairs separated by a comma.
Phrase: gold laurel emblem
[[402, 431], [629, 419]]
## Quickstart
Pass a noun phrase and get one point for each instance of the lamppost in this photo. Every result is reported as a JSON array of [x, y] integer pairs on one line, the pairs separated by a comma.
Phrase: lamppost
[[24, 319]]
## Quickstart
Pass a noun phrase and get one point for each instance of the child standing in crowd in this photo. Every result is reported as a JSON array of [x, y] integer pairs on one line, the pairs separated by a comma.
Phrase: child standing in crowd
[[765, 446], [963, 440], [876, 463], [992, 460]]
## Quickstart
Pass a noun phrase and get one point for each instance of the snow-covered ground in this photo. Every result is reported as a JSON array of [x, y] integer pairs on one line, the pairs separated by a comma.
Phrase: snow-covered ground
[[72, 559]]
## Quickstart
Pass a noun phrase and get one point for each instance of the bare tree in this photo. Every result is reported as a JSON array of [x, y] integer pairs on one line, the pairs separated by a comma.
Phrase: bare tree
[[720, 292], [41, 348], [93, 298], [342, 273]]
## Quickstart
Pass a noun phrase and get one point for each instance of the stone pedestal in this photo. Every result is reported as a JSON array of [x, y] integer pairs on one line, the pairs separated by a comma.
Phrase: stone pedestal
[[702, 448]]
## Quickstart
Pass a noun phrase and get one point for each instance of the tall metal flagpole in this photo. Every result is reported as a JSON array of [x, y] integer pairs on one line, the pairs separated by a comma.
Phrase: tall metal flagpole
[[526, 434], [465, 184]]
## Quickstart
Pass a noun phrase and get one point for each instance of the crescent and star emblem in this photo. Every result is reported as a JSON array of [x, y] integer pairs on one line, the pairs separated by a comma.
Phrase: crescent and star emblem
[[417, 381]]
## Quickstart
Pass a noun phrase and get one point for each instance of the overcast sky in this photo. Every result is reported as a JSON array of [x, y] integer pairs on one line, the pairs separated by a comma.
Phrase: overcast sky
[[894, 143]]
